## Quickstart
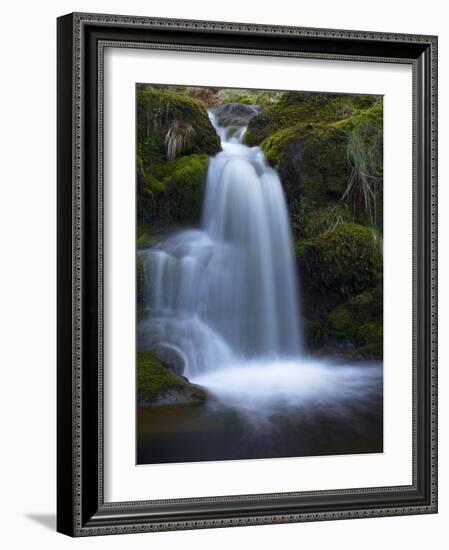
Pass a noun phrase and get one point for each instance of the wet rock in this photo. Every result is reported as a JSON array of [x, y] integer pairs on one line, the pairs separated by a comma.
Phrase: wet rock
[[171, 358]]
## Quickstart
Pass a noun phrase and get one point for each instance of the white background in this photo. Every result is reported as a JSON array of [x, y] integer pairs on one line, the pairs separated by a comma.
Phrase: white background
[[27, 300], [123, 481]]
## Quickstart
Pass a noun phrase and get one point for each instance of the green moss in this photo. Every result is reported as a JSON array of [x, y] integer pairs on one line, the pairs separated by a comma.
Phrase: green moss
[[238, 98], [343, 262], [368, 305], [370, 351], [358, 324], [250, 97], [161, 111], [173, 193], [183, 180], [145, 240], [305, 107], [313, 220], [327, 149], [311, 160], [340, 324], [341, 278], [144, 237], [365, 155], [155, 381], [372, 115], [370, 332], [312, 163]]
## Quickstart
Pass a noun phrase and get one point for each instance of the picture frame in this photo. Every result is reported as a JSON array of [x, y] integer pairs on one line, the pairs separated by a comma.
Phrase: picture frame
[[81, 506]]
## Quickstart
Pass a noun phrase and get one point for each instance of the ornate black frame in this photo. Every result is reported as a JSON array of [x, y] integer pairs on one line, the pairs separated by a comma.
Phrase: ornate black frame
[[81, 509]]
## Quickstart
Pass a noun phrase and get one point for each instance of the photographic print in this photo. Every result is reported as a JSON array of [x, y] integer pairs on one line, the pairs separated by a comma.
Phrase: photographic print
[[259, 273]]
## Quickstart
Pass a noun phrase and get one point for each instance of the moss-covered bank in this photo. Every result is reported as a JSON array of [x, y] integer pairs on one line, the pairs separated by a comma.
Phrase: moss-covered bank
[[325, 161], [157, 385], [174, 139], [327, 149], [341, 276]]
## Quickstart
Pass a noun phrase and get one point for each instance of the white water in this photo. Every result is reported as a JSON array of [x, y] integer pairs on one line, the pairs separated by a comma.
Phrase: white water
[[225, 295], [262, 388], [226, 292]]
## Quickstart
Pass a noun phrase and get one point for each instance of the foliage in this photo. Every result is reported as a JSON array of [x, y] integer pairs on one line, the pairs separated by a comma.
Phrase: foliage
[[358, 323], [341, 276], [314, 220], [342, 262], [162, 112], [327, 149], [304, 107], [178, 139], [311, 161], [365, 154], [144, 237], [173, 192]]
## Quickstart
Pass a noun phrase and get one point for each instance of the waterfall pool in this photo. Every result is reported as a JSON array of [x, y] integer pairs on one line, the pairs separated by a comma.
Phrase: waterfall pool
[[269, 411]]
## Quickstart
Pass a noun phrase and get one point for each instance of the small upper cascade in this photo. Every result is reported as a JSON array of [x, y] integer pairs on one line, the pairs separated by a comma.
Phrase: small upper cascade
[[231, 120]]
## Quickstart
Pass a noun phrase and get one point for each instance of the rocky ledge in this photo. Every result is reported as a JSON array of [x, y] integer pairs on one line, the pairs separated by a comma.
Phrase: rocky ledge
[[158, 385]]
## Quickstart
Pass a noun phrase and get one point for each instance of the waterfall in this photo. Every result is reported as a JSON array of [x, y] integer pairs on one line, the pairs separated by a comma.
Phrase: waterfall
[[226, 292]]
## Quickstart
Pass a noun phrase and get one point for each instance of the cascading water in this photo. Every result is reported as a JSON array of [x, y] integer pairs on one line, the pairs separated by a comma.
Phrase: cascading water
[[226, 293]]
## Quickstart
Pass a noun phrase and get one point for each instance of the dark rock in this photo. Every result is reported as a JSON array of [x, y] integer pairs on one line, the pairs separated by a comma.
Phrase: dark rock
[[171, 358], [235, 114]]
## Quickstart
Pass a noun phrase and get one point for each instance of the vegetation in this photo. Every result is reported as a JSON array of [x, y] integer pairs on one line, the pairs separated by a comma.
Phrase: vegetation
[[171, 193], [174, 140], [160, 112], [156, 385], [341, 274], [364, 190], [358, 324], [294, 107], [344, 261]]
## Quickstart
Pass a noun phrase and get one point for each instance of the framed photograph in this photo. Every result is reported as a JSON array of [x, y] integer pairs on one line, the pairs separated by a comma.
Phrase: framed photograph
[[247, 282]]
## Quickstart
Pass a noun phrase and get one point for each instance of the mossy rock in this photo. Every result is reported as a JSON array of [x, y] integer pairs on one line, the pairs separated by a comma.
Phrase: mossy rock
[[305, 107], [371, 115], [161, 111], [250, 97], [144, 237], [185, 188], [156, 385], [321, 144], [341, 263], [172, 193], [313, 220], [357, 325], [234, 115], [312, 163], [370, 351]]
